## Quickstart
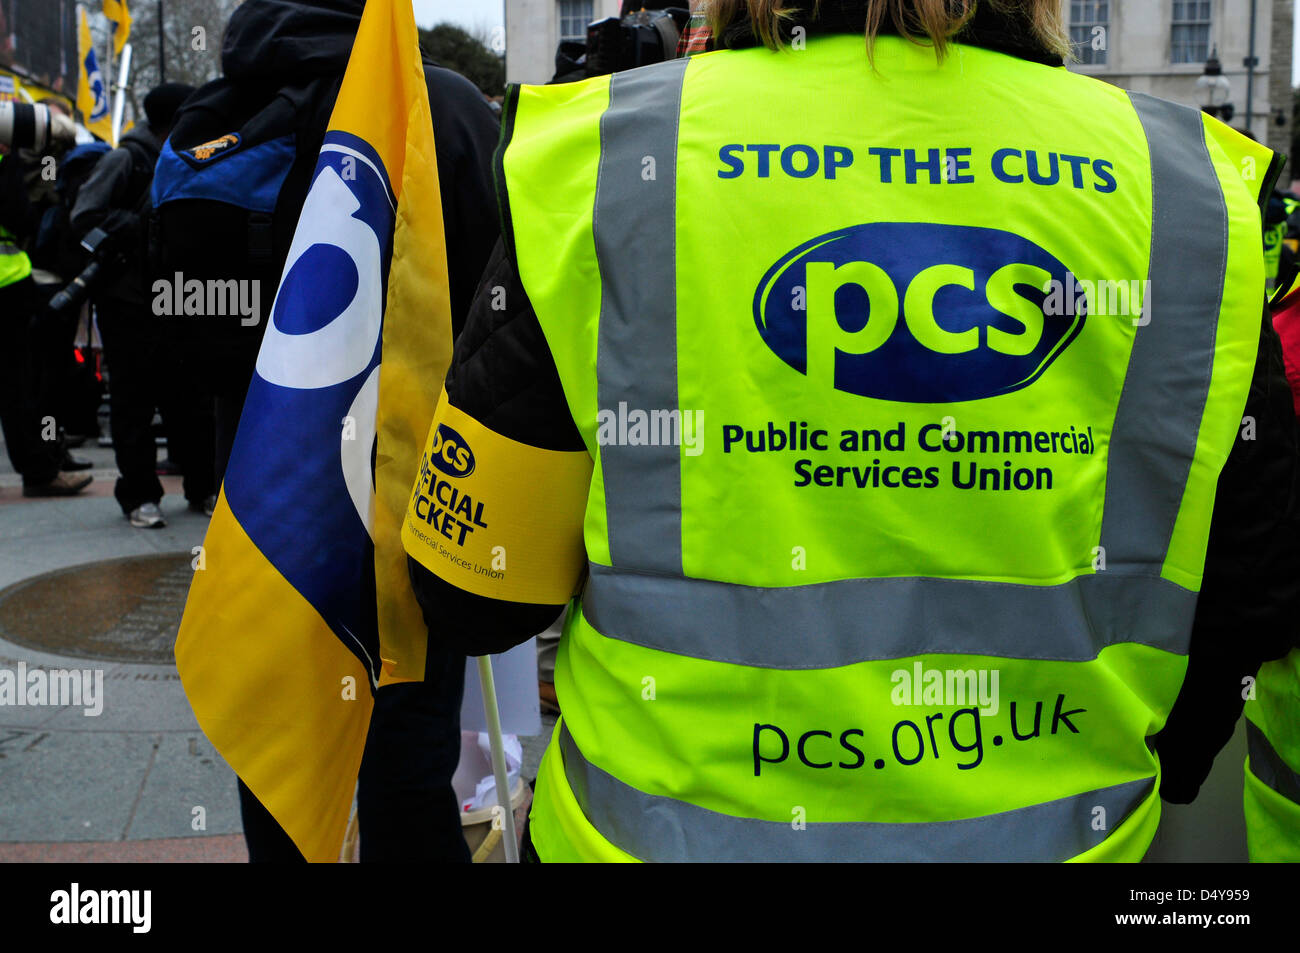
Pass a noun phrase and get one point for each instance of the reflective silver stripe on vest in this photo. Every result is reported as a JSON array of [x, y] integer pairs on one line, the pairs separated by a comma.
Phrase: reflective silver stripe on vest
[[635, 228], [1267, 765], [1168, 378], [858, 620], [652, 827]]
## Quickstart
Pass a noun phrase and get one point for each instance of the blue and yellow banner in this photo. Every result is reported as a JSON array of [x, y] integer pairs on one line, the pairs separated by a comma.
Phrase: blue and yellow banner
[[304, 605], [92, 90], [120, 17]]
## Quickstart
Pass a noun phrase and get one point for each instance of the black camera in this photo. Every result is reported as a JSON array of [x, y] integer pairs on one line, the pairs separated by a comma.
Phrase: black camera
[[615, 44], [100, 245]]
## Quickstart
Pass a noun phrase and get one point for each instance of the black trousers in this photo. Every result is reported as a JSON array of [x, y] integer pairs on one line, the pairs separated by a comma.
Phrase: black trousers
[[406, 808], [26, 414], [232, 362], [53, 336], [148, 368]]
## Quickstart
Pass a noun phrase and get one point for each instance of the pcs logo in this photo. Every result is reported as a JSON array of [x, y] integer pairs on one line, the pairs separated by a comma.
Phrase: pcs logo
[[916, 312], [450, 453], [98, 93]]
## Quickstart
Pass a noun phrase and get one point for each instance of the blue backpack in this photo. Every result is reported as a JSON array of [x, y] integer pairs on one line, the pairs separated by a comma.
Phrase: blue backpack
[[230, 184]]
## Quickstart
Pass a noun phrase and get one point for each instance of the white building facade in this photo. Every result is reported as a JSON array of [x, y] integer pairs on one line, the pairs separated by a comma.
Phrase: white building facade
[[1161, 46], [1155, 46], [534, 29]]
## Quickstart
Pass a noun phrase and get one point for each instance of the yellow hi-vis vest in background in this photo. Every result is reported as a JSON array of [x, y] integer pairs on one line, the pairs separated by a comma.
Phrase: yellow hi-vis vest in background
[[1272, 793], [1273, 238], [1272, 771], [907, 393], [14, 263]]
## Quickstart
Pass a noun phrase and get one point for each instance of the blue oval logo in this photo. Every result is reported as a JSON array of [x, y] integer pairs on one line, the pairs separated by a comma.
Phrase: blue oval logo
[[450, 453], [918, 312]]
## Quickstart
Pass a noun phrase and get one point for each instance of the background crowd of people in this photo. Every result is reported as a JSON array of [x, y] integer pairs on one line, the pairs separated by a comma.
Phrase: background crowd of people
[[53, 197]]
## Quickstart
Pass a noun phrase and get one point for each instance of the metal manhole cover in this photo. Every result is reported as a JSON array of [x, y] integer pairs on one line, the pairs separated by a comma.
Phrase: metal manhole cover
[[119, 610]]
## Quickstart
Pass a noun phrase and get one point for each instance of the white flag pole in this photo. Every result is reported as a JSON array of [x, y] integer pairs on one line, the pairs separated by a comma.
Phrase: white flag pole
[[119, 107], [499, 771]]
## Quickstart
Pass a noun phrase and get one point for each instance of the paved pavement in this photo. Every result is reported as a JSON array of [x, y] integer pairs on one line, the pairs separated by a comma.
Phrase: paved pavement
[[141, 783], [138, 782]]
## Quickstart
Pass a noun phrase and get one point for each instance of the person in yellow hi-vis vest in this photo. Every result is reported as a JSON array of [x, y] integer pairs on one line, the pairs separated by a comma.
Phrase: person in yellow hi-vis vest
[[884, 409], [30, 434], [1277, 217], [1272, 773], [1272, 780]]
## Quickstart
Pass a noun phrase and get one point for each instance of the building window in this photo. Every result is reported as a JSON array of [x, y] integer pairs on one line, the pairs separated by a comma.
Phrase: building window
[[574, 17], [1191, 31], [1090, 31]]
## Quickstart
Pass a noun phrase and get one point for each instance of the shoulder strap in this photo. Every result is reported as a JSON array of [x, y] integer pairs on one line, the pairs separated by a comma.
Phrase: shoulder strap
[[142, 167]]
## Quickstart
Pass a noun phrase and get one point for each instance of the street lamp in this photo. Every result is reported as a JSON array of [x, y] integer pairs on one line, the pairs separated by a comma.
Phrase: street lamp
[[1213, 89]]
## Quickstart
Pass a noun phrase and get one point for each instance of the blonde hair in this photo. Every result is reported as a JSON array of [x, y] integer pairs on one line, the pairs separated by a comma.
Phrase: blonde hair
[[918, 21]]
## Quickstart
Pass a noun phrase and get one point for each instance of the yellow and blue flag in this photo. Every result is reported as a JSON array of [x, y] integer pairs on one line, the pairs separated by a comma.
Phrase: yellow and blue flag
[[92, 91], [304, 604], [120, 17]]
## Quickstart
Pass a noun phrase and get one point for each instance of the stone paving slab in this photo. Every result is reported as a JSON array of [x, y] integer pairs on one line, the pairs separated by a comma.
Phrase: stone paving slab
[[122, 785], [189, 792], [71, 785], [221, 849], [137, 770], [47, 535], [136, 698]]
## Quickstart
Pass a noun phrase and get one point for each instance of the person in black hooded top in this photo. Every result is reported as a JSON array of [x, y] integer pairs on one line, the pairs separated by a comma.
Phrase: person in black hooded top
[[406, 806], [141, 371]]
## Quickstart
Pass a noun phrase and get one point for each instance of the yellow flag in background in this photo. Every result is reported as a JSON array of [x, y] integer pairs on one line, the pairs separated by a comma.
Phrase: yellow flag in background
[[116, 11], [92, 90], [304, 605]]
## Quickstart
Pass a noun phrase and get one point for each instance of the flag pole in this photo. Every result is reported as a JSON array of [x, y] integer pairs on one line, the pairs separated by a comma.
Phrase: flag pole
[[107, 75], [162, 49], [499, 771], [119, 107], [108, 53]]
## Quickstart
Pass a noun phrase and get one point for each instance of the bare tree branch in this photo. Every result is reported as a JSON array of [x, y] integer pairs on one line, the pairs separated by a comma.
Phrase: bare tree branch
[[192, 32]]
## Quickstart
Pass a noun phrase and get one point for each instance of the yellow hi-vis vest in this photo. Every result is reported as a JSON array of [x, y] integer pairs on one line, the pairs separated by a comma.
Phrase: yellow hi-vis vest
[[1273, 238], [1272, 776], [907, 393], [1272, 791]]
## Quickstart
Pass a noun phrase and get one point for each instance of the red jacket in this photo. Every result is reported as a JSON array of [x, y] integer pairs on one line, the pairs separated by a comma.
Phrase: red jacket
[[1286, 320]]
